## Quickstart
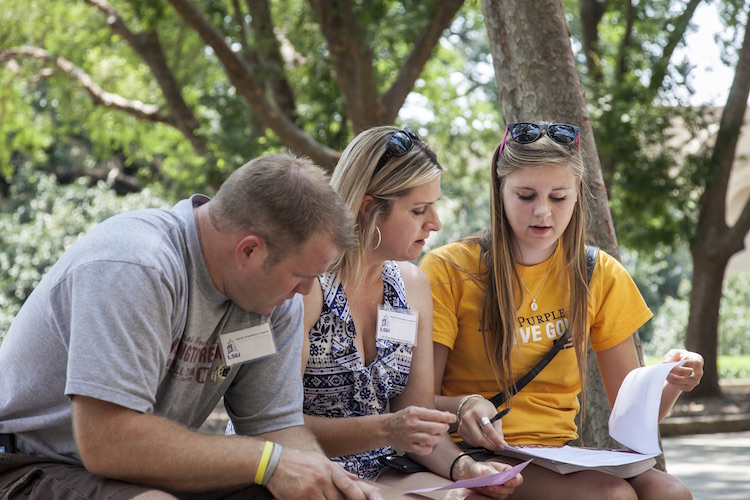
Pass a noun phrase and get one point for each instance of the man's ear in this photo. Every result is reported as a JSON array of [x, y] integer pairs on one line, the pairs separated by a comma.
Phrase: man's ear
[[366, 206], [251, 246]]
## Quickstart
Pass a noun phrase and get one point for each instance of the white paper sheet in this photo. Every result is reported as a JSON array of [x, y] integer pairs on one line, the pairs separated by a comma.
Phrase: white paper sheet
[[582, 456], [634, 420]]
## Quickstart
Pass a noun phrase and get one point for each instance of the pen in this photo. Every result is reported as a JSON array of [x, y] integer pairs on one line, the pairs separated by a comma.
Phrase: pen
[[500, 415]]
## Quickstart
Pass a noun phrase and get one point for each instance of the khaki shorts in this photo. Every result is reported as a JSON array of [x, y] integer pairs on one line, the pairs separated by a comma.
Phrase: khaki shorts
[[28, 477]]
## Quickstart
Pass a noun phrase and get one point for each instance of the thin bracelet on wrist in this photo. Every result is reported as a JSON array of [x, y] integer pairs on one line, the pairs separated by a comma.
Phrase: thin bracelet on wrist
[[461, 405], [455, 460]]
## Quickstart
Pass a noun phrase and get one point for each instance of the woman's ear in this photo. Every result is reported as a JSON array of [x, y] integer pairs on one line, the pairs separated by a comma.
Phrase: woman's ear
[[366, 206]]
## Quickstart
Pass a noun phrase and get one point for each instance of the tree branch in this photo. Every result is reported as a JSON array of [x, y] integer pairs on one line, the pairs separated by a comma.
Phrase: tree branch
[[681, 24], [622, 59], [138, 109], [352, 61], [269, 56], [239, 21], [591, 12], [251, 90], [148, 46], [393, 99], [725, 149]]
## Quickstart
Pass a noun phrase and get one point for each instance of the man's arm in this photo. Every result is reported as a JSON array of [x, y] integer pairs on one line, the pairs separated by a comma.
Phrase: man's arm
[[120, 443]]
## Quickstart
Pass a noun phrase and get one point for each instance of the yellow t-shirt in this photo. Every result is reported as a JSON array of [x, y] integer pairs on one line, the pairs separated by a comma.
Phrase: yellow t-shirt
[[543, 412]]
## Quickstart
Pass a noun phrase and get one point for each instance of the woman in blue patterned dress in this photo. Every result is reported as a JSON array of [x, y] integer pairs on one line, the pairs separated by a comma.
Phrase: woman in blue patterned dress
[[367, 360]]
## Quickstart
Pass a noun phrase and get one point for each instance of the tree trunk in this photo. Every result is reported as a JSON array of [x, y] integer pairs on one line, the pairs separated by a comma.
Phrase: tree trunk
[[703, 322], [537, 77]]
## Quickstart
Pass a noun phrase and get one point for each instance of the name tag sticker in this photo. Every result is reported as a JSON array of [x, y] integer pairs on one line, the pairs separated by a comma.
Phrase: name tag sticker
[[397, 325], [248, 344]]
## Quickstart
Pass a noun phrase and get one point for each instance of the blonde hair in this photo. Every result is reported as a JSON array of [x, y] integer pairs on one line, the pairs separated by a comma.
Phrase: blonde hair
[[503, 293], [353, 179]]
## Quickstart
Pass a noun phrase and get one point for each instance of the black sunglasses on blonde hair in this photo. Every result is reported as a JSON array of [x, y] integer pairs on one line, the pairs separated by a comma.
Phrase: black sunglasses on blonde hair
[[528, 132], [398, 145]]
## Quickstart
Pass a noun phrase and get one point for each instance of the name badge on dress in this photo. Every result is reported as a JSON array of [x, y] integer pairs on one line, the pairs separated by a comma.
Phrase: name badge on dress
[[247, 344], [397, 325]]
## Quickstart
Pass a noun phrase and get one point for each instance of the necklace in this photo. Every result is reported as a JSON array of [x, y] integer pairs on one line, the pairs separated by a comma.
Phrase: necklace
[[534, 305]]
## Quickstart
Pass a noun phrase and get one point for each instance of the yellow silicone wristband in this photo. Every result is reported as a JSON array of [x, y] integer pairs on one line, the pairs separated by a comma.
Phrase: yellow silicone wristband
[[263, 462]]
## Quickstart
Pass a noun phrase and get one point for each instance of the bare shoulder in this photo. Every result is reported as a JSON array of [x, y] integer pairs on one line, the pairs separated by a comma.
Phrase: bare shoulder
[[313, 302], [418, 293], [412, 275]]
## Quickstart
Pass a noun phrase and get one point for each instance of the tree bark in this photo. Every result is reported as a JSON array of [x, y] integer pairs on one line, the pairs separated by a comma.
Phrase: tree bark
[[537, 77]]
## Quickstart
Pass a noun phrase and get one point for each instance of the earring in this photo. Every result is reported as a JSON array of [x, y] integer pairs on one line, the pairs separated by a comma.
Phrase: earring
[[379, 237]]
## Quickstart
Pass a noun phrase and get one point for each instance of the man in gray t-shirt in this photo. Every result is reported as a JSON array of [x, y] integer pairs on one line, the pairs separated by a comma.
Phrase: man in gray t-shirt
[[135, 334]]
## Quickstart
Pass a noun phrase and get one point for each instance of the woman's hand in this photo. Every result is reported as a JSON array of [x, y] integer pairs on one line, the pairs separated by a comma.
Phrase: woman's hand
[[416, 429], [467, 468], [472, 430], [687, 376]]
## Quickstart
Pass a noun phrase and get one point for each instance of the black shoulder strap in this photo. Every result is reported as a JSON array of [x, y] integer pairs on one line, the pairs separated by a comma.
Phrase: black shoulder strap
[[591, 254]]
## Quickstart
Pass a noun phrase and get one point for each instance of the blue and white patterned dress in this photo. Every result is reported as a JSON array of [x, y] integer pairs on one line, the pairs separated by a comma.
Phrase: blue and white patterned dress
[[337, 383]]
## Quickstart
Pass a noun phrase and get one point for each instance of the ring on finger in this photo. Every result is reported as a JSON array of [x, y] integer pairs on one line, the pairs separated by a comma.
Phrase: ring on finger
[[484, 421]]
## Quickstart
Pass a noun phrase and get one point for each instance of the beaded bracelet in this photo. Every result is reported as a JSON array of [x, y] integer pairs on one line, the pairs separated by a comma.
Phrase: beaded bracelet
[[461, 405], [263, 464]]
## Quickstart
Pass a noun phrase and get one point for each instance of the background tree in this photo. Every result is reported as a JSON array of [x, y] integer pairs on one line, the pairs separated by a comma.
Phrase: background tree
[[715, 240], [660, 199], [233, 50], [86, 93]]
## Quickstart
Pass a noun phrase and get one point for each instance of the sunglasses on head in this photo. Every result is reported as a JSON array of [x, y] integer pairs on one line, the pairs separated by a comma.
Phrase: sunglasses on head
[[398, 145], [527, 132]]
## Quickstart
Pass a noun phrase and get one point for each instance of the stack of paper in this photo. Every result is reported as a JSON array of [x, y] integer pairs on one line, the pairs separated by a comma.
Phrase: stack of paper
[[634, 422]]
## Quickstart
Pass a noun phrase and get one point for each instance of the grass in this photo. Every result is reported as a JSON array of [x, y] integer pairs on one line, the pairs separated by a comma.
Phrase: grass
[[730, 367], [737, 367]]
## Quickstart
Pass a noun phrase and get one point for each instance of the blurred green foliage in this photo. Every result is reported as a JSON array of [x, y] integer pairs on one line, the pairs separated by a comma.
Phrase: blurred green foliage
[[42, 219], [734, 367]]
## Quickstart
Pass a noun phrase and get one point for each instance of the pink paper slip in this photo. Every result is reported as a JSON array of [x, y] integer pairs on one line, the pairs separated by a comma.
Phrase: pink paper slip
[[478, 482]]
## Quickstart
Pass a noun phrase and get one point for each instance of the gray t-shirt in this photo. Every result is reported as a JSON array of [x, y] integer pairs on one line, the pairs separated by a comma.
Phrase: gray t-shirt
[[130, 315]]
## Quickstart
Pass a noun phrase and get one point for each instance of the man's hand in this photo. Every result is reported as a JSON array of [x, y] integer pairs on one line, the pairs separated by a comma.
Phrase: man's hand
[[310, 475], [123, 444]]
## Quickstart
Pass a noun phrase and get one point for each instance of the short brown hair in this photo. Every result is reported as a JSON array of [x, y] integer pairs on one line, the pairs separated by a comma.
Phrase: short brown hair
[[285, 200]]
